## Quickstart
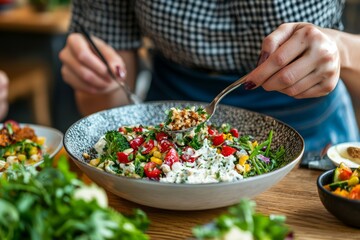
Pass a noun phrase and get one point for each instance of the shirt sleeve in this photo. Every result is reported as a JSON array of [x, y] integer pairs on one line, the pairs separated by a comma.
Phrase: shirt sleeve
[[113, 21]]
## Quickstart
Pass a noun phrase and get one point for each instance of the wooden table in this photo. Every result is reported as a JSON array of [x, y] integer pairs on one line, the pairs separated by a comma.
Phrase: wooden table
[[295, 197]]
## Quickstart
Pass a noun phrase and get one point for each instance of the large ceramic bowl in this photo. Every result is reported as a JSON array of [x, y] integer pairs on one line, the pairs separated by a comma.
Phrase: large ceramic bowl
[[82, 135], [344, 209]]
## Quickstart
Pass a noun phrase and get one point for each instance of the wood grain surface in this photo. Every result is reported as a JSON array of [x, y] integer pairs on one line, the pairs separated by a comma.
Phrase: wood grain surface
[[295, 196]]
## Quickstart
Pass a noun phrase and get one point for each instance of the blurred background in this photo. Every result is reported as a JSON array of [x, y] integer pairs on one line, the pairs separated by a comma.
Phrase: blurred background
[[32, 32]]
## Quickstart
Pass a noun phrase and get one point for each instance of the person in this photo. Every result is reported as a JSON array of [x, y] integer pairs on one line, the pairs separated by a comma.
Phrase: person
[[301, 66], [3, 95]]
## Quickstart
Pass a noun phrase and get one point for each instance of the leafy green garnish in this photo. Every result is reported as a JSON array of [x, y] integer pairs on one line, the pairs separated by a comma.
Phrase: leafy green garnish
[[115, 142], [44, 205], [243, 218]]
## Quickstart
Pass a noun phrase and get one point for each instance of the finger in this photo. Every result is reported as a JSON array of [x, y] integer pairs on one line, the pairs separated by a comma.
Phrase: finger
[[116, 63], [73, 80], [291, 74], [313, 85], [82, 73], [279, 36], [82, 52], [3, 79], [284, 55]]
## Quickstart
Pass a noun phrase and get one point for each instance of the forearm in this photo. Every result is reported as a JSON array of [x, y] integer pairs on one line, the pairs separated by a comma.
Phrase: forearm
[[348, 45], [90, 103]]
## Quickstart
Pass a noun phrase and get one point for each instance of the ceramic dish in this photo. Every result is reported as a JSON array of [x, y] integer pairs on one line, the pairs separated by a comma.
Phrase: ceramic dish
[[346, 210], [83, 134], [334, 154]]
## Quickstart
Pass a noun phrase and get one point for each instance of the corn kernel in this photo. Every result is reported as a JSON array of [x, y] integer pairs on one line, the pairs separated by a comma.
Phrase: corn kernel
[[229, 136], [218, 150], [33, 151], [94, 162], [156, 160], [153, 150], [247, 167], [40, 140], [21, 157], [243, 159], [255, 143], [157, 154]]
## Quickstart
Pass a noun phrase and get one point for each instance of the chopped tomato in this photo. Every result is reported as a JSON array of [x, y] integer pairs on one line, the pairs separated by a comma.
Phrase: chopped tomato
[[212, 131], [136, 142], [227, 151], [188, 154], [165, 145], [345, 174], [138, 129], [355, 192], [234, 132], [146, 147], [122, 130], [151, 171], [171, 157], [218, 139], [161, 136], [123, 157]]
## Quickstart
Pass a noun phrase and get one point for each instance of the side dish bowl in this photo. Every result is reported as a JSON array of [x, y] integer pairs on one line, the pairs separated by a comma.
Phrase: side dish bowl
[[344, 209], [83, 134]]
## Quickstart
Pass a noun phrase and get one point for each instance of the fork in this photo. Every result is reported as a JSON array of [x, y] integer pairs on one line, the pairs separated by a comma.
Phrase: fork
[[211, 107], [132, 97]]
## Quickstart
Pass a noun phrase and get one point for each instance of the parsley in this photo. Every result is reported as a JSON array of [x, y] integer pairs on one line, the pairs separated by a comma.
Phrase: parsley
[[115, 142], [44, 205]]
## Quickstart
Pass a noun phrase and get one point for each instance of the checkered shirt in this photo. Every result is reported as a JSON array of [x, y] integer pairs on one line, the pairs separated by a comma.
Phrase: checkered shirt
[[220, 35]]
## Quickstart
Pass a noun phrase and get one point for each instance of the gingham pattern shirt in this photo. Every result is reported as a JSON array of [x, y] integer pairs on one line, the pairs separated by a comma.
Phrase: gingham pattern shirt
[[220, 35]]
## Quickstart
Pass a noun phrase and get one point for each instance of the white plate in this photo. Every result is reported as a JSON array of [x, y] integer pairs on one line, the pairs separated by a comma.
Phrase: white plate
[[53, 139], [334, 154]]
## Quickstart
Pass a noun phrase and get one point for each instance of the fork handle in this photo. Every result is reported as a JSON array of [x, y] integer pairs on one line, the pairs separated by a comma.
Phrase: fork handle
[[229, 89]]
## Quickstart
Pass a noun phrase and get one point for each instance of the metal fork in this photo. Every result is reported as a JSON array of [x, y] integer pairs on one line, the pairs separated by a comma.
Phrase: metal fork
[[211, 107], [132, 97]]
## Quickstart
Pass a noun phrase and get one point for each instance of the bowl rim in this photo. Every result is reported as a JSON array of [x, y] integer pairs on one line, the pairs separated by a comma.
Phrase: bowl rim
[[329, 193], [181, 185]]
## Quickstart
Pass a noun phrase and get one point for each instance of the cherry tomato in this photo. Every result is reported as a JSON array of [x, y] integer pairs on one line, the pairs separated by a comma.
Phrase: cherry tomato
[[161, 136], [212, 131], [218, 139], [227, 151], [123, 157], [151, 171], [234, 132], [165, 145], [136, 142], [345, 174], [122, 129], [137, 129], [188, 154], [171, 157], [147, 146]]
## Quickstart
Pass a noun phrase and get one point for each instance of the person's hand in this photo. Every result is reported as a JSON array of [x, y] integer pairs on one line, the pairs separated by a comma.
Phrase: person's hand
[[82, 68], [299, 60], [4, 82]]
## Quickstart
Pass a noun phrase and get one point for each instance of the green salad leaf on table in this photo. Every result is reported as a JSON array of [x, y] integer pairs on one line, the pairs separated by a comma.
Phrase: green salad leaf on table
[[242, 222], [52, 203]]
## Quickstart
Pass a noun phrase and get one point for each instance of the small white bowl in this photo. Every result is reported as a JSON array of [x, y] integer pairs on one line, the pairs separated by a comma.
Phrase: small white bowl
[[337, 155]]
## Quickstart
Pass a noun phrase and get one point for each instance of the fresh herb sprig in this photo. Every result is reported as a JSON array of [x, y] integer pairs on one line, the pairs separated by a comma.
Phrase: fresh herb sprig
[[47, 204], [242, 220]]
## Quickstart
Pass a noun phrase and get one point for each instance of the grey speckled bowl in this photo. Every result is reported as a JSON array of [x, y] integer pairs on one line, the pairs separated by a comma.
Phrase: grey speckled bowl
[[82, 135]]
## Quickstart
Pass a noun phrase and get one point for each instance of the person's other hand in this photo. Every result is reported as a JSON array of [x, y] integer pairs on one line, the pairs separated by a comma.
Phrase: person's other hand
[[299, 60], [4, 82], [82, 68]]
